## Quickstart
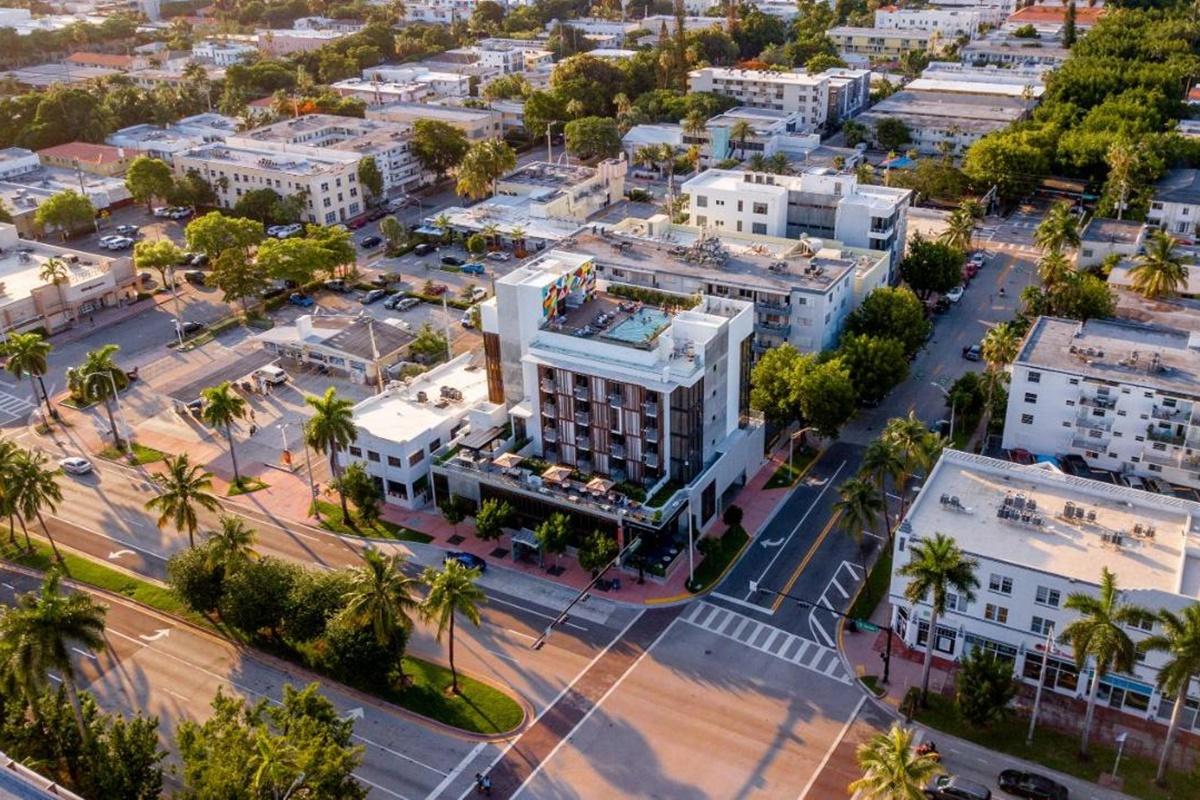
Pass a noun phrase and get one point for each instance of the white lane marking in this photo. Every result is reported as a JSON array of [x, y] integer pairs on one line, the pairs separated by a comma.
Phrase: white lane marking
[[829, 753], [834, 583], [458, 770], [161, 633], [616, 685], [115, 554], [787, 540], [819, 632], [9, 586], [54, 677], [176, 694], [530, 637], [85, 654], [505, 656], [534, 612]]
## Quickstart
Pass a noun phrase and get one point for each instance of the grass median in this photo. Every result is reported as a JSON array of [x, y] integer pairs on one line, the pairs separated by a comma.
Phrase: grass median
[[332, 520], [788, 474], [720, 554]]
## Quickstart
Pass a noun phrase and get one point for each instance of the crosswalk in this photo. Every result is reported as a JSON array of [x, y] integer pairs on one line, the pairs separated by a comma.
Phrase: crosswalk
[[13, 407], [767, 639]]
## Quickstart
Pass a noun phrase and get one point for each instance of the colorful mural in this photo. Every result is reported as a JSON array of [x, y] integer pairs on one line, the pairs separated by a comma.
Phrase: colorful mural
[[581, 279]]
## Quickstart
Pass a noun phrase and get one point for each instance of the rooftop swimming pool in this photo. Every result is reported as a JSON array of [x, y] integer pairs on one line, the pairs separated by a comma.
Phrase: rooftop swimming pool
[[641, 326]]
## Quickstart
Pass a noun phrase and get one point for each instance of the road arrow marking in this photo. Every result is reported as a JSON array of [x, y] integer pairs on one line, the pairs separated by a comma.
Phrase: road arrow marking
[[772, 543], [354, 713], [161, 633], [115, 554]]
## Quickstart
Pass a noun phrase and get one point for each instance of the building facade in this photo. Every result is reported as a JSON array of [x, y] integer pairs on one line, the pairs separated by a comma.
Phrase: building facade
[[879, 42], [950, 23], [1175, 205], [806, 96]]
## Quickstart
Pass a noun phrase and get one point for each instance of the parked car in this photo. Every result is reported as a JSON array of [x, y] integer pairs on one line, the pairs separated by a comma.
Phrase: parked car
[[178, 212], [386, 279], [407, 304], [376, 214], [499, 255], [197, 260], [1074, 464], [438, 289], [972, 352], [394, 300], [271, 374], [425, 248], [941, 427], [941, 306], [337, 285], [298, 299], [474, 268], [478, 293], [116, 242], [355, 224], [274, 289], [75, 465], [126, 230], [452, 261], [373, 296], [952, 787], [468, 560], [285, 231], [1031, 785], [970, 271], [468, 319], [369, 242], [162, 212], [194, 277], [978, 259], [955, 294], [190, 328]]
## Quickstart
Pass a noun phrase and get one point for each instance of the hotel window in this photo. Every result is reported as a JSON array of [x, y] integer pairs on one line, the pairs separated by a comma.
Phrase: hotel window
[[701, 201], [356, 451], [995, 613], [394, 462], [1027, 419], [759, 228], [1030, 397], [1000, 583], [1047, 597], [416, 458], [372, 456], [759, 208], [1034, 377], [1041, 626]]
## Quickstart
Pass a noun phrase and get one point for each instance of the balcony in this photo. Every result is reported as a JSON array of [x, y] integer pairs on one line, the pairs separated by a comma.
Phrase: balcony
[[1098, 401], [582, 393], [1087, 421], [550, 409], [1164, 458], [549, 386], [768, 304], [650, 434], [650, 409], [773, 328], [1090, 443], [1177, 414], [651, 460], [583, 442], [1166, 435], [583, 418], [616, 450], [583, 465], [550, 435], [615, 400]]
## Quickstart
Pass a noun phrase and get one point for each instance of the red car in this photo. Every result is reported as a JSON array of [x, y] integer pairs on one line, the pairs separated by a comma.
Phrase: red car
[[355, 224], [438, 288]]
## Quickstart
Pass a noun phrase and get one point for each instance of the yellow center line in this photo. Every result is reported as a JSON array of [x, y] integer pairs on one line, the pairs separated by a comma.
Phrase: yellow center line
[[807, 557]]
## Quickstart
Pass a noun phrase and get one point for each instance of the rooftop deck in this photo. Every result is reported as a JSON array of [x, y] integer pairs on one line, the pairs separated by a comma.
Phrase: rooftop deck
[[612, 319]]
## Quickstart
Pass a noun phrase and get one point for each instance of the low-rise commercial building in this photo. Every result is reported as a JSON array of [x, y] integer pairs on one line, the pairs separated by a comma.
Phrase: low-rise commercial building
[[1050, 17], [224, 52], [360, 348], [941, 121], [1002, 48], [806, 96], [1175, 204], [1039, 536], [95, 159], [163, 142], [1102, 238], [25, 183], [950, 23], [441, 82], [285, 41], [477, 123]]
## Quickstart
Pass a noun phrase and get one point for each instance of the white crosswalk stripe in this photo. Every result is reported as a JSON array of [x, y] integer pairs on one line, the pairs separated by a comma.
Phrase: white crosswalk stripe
[[767, 639], [12, 406]]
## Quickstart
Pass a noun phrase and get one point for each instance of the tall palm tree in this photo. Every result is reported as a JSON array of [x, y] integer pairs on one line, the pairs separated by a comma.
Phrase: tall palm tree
[[859, 505], [1054, 269], [517, 235], [222, 408], [27, 355], [1058, 230], [442, 223], [96, 379], [1180, 640], [935, 568], [1099, 634], [1159, 272], [739, 132], [910, 438], [40, 632], [9, 488], [33, 488], [882, 462], [892, 769], [999, 348], [452, 591], [55, 271], [972, 207], [184, 488], [757, 163], [694, 125], [381, 596], [960, 230], [231, 547], [331, 428], [646, 155], [490, 233]]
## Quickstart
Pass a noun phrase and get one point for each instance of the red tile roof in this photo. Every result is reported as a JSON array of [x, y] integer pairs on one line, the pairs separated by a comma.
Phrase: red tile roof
[[87, 152], [1085, 16], [112, 60]]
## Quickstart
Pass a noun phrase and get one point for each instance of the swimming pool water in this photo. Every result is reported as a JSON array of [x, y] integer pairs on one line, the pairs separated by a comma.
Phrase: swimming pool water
[[640, 326]]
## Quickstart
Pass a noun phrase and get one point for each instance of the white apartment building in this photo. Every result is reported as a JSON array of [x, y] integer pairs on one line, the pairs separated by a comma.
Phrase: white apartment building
[[946, 117], [1119, 394], [223, 52], [285, 41], [1002, 48], [1175, 205], [389, 144], [949, 22], [768, 128], [1102, 238], [443, 12], [817, 202], [476, 123], [163, 143], [802, 290], [849, 92], [1039, 536], [442, 83], [400, 429], [328, 177], [790, 92]]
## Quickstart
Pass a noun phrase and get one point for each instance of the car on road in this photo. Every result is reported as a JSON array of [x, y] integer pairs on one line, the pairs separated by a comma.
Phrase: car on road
[[386, 279], [75, 465], [178, 212], [468, 560], [978, 259], [373, 296], [1031, 785], [126, 230], [162, 212], [298, 299], [424, 249], [452, 261], [337, 285], [274, 289], [474, 268], [355, 224], [369, 242], [941, 427], [468, 318], [197, 260], [952, 787], [972, 352], [478, 293], [116, 242], [499, 255], [190, 328], [955, 294], [969, 272], [194, 277], [438, 289], [285, 231], [377, 214], [407, 304]]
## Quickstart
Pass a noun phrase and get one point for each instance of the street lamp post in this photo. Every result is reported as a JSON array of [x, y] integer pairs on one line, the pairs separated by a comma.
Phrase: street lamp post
[[792, 445], [953, 402], [1037, 695], [178, 309]]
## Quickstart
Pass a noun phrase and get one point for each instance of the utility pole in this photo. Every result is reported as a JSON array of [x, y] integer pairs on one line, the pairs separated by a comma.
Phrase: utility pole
[[1037, 695]]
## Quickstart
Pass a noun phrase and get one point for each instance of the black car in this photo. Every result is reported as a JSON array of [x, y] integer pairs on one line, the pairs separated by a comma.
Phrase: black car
[[376, 214], [372, 296], [424, 249], [368, 242], [952, 787], [1032, 786], [194, 277], [1074, 465], [468, 560], [191, 328], [452, 261]]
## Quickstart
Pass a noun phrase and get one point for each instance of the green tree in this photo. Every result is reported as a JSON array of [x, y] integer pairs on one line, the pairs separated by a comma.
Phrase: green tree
[[54, 271], [452, 591], [482, 166], [98, 379], [1069, 33], [231, 547], [936, 566], [1058, 230], [195, 579], [916, 448], [370, 178], [184, 488], [1180, 642], [28, 354], [381, 597], [931, 266], [32, 487], [261, 206], [854, 133], [891, 133], [593, 137], [1054, 268], [596, 551], [554, 534], [161, 255], [40, 631], [826, 396], [256, 596], [774, 381], [214, 233], [316, 598], [876, 364], [960, 230], [238, 278], [892, 769], [492, 517], [984, 687], [66, 212], [1159, 272], [1099, 635], [429, 346], [859, 505], [353, 655], [882, 463], [454, 509], [1012, 161], [222, 408], [393, 233], [439, 146], [891, 313], [294, 259], [330, 429], [356, 484], [148, 178]]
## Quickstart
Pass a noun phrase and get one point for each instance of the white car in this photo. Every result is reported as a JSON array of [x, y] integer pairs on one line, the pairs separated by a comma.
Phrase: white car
[[955, 294], [498, 255], [75, 465], [162, 212], [478, 293], [977, 258]]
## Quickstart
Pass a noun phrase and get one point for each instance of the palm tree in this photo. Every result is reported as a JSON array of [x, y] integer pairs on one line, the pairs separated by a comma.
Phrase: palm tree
[[490, 233], [695, 124], [442, 223], [1180, 640], [757, 163], [99, 378], [972, 207], [740, 131], [231, 547], [40, 632], [892, 770], [960, 230], [859, 506], [517, 235], [936, 567], [1054, 269], [1099, 633], [55, 271], [779, 164], [452, 591], [1058, 230], [882, 462], [185, 487], [381, 596], [1159, 272], [27, 355], [33, 488], [8, 489], [646, 155], [910, 437], [999, 348], [331, 428], [222, 407], [276, 765]]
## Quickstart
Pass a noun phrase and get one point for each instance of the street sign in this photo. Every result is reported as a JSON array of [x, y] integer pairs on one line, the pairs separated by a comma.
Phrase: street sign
[[869, 627]]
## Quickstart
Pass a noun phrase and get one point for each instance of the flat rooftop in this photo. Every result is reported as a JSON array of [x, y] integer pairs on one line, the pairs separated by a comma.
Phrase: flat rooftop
[[1116, 231], [735, 74], [21, 266], [1042, 538], [269, 158], [879, 33], [611, 319], [45, 75], [1179, 186], [962, 107], [429, 111], [1165, 359], [549, 175], [952, 85], [399, 415]]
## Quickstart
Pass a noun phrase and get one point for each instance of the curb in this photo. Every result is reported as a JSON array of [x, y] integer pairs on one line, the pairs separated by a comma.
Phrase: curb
[[879, 702]]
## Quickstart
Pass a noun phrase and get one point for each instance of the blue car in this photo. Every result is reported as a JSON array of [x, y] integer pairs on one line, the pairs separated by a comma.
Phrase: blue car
[[473, 268], [298, 299], [468, 560]]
